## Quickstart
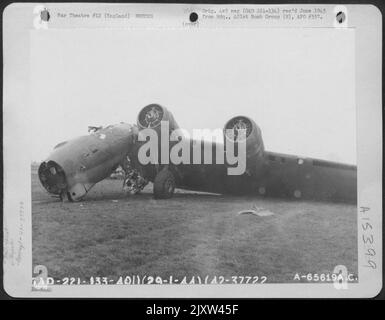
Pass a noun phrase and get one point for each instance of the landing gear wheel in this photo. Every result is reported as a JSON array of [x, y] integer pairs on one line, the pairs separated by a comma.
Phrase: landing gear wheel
[[69, 197], [164, 184]]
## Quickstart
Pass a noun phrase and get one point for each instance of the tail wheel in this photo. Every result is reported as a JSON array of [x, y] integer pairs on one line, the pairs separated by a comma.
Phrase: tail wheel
[[164, 184]]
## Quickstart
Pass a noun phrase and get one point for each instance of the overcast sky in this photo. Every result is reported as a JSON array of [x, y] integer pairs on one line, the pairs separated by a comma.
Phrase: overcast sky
[[297, 84]]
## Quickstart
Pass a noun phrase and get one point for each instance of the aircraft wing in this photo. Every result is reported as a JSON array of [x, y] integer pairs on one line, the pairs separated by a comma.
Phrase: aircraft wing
[[304, 177]]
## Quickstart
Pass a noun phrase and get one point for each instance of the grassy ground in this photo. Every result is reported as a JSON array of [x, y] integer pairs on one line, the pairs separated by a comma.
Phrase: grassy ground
[[111, 235]]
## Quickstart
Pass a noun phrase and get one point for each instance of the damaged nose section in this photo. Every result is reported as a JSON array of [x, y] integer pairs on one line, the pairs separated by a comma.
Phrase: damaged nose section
[[53, 178]]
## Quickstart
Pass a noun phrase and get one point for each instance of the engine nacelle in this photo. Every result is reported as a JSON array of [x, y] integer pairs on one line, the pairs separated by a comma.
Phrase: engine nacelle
[[254, 143], [152, 115]]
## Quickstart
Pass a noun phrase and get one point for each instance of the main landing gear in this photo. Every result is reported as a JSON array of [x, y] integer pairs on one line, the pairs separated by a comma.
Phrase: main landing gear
[[164, 184]]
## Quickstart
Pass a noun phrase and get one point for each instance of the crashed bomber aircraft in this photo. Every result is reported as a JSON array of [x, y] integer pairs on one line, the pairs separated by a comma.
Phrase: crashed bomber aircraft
[[75, 166]]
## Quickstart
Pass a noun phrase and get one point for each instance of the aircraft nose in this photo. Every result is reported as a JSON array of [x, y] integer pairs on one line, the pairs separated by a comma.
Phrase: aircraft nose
[[52, 177]]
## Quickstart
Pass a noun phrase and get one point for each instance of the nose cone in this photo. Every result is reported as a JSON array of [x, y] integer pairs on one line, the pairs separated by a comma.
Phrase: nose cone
[[52, 177]]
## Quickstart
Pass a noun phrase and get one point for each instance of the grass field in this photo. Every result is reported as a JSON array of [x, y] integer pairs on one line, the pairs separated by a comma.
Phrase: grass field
[[110, 235]]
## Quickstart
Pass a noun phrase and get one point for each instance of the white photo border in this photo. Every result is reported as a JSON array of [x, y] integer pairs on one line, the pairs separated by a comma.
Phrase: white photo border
[[20, 19]]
